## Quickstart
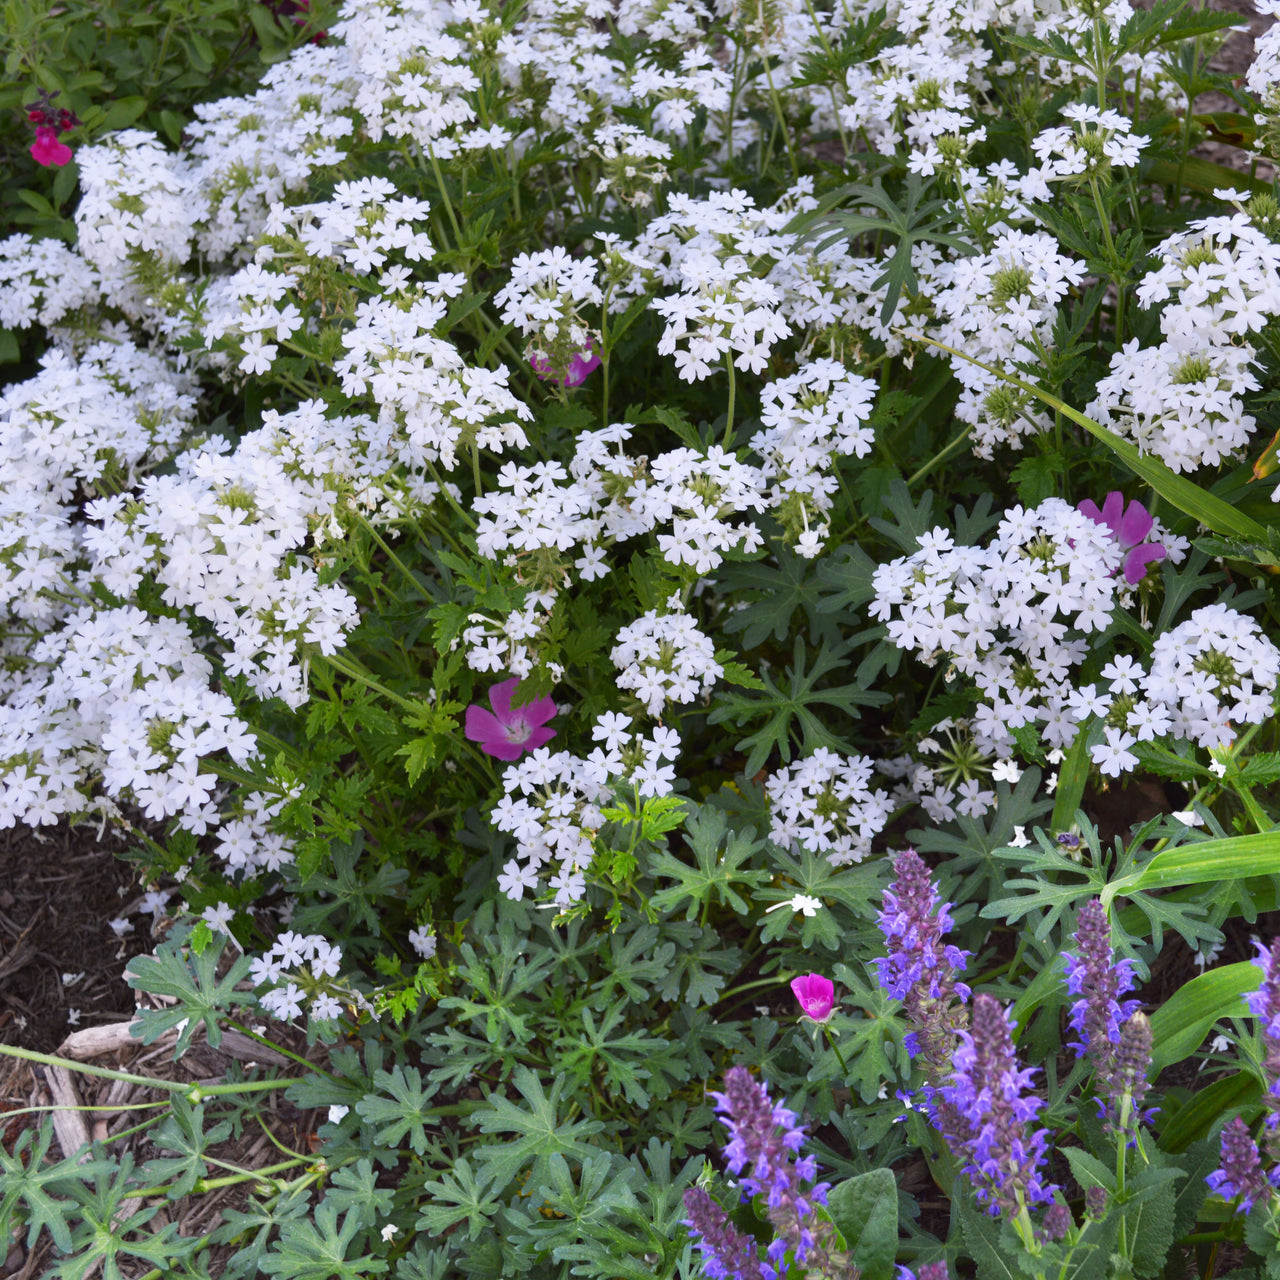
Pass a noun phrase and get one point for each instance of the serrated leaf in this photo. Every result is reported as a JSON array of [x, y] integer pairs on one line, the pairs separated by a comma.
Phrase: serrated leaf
[[398, 1107], [25, 1179], [192, 980], [717, 871], [317, 1249], [457, 1196], [542, 1132]]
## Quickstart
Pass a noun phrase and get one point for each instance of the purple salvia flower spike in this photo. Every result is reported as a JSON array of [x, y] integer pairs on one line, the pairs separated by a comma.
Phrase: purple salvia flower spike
[[986, 1117], [921, 969], [727, 1254], [764, 1141], [1239, 1175]]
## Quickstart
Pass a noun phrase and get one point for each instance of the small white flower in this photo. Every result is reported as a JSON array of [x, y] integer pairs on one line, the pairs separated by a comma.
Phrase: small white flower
[[336, 1113], [388, 1231], [802, 902], [73, 1017], [1020, 839], [1188, 818]]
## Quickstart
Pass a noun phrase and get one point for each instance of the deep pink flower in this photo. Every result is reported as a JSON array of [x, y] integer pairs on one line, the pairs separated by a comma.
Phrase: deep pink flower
[[47, 150], [1129, 526], [580, 367], [817, 996], [508, 732]]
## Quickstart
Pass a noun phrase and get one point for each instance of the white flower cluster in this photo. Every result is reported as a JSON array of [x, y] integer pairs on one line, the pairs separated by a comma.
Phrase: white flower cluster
[[554, 803], [42, 281], [246, 842], [1182, 399], [1000, 308], [664, 658], [1013, 616], [431, 402], [1215, 668], [543, 299], [314, 962], [825, 803], [552, 808], [1093, 143], [811, 418], [123, 696]]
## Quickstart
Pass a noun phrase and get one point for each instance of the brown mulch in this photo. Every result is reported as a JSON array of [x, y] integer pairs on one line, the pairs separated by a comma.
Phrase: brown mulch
[[59, 887], [59, 957]]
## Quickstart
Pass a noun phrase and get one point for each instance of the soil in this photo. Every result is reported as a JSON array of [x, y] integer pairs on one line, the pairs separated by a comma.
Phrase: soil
[[62, 975]]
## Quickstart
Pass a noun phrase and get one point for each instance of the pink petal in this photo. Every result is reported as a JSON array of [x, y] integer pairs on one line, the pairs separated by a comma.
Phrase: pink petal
[[537, 738], [1134, 525], [483, 726], [1090, 508], [1113, 509], [1135, 563], [539, 711], [503, 749], [500, 698]]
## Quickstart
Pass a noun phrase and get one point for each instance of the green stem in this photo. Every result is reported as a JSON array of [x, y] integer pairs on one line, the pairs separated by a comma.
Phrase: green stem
[[844, 1066], [728, 421], [444, 195], [194, 1092], [782, 123], [941, 456]]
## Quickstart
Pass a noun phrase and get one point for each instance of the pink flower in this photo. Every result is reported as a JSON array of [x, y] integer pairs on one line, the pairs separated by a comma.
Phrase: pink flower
[[1129, 527], [508, 732], [817, 996], [47, 150], [582, 364]]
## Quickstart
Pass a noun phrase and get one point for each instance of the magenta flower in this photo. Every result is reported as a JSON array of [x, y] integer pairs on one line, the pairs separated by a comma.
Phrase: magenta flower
[[817, 996], [508, 732], [47, 150], [1130, 527], [582, 365]]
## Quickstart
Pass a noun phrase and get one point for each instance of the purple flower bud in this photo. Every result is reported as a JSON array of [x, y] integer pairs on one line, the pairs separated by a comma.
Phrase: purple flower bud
[[1057, 1221], [921, 969], [1239, 1175], [1095, 1201], [986, 1116], [930, 1271], [727, 1254]]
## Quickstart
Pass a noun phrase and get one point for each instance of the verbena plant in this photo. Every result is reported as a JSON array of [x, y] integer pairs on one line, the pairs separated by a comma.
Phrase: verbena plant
[[537, 506]]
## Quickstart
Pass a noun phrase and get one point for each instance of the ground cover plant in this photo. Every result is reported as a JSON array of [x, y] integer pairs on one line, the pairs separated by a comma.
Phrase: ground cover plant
[[678, 601]]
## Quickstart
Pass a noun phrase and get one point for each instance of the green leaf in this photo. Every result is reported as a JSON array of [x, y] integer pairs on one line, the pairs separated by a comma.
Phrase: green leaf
[[1179, 1026], [458, 1196], [541, 1132], [718, 869], [865, 1211], [1206, 862], [1194, 1119], [981, 1235], [400, 1114], [183, 1132], [317, 1250], [192, 980], [355, 1187], [1149, 1208], [25, 1179], [798, 703]]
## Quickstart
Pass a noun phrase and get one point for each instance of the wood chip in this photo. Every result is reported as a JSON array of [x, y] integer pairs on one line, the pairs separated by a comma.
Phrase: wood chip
[[94, 1042], [68, 1125]]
